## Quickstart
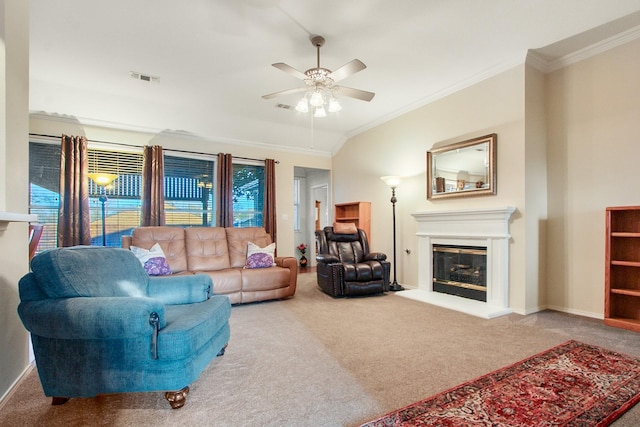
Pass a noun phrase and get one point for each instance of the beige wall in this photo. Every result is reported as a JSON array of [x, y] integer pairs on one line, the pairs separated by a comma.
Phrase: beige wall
[[535, 158], [593, 115], [14, 190], [566, 149], [399, 147]]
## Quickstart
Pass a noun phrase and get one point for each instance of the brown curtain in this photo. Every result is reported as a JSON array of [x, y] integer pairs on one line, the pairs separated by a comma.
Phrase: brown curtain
[[224, 208], [152, 186], [74, 221], [269, 213]]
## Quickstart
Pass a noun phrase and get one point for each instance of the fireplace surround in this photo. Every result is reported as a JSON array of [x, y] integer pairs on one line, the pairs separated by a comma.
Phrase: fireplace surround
[[474, 228]]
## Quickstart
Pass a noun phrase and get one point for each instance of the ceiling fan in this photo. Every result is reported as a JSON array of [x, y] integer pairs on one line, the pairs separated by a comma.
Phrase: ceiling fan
[[320, 84]]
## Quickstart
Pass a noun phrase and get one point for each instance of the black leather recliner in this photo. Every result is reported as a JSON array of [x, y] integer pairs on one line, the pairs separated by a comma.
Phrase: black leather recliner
[[345, 267]]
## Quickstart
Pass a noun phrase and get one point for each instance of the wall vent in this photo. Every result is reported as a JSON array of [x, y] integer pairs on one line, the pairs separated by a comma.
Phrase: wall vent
[[285, 106], [144, 77]]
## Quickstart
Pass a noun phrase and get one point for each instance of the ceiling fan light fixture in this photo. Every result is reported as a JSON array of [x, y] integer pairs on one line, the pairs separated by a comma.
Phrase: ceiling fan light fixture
[[334, 105], [303, 105], [320, 112], [316, 99], [320, 90]]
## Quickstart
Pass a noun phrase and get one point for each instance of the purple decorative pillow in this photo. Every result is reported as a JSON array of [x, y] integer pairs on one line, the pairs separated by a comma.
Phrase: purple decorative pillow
[[258, 257], [157, 266], [259, 260], [153, 260]]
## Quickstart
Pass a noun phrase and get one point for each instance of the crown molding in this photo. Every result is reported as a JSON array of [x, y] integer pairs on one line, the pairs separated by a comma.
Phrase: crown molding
[[531, 58], [548, 66], [537, 61]]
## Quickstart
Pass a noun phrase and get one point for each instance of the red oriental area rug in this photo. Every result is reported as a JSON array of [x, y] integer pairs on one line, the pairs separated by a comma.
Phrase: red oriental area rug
[[573, 384]]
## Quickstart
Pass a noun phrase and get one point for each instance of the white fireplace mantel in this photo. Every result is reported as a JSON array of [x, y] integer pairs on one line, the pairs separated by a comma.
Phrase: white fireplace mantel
[[465, 223], [474, 227]]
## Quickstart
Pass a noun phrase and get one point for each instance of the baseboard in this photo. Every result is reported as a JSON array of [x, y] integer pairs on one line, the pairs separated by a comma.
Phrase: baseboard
[[599, 316], [545, 307], [5, 397]]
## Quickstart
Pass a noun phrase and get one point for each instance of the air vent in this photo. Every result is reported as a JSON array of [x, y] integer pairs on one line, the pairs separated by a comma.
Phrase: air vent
[[144, 77], [285, 106]]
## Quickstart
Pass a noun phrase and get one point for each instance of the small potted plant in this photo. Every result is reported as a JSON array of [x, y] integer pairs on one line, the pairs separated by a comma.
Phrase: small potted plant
[[302, 248]]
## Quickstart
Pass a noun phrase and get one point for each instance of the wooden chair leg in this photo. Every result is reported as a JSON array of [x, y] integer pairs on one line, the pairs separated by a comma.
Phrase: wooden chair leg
[[178, 398], [59, 400]]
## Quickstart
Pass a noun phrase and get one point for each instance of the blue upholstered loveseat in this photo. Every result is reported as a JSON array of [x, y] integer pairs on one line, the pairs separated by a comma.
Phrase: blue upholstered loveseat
[[99, 324]]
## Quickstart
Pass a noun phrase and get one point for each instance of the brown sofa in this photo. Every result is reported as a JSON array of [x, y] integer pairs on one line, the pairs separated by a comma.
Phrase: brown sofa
[[221, 253]]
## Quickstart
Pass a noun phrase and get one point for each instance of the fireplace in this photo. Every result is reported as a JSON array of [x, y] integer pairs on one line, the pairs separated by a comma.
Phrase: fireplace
[[463, 260], [461, 271]]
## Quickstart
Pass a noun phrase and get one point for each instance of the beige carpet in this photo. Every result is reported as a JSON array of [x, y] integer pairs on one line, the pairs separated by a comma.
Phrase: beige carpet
[[317, 361]]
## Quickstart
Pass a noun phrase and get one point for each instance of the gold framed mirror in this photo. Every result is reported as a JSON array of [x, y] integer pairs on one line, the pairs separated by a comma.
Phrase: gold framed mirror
[[463, 169]]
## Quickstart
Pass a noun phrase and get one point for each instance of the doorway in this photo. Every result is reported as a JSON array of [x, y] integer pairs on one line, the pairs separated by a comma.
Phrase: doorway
[[313, 209]]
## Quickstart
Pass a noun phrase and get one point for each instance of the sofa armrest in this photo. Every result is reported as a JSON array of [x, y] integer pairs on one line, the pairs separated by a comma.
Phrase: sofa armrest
[[375, 256], [287, 262], [187, 289], [327, 258], [91, 317], [292, 264]]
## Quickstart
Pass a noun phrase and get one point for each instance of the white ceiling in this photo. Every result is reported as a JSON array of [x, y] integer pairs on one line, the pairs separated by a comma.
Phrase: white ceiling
[[213, 58]]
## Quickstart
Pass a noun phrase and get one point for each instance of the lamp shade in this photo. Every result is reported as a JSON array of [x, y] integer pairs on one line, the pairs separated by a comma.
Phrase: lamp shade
[[334, 105], [303, 105], [320, 101], [391, 181], [316, 99], [320, 112], [102, 179]]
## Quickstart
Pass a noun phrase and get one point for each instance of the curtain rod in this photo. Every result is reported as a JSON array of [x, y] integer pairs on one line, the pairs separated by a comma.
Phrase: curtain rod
[[137, 146]]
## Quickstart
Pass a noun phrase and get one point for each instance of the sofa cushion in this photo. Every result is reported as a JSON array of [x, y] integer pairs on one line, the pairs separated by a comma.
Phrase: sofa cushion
[[115, 272], [258, 257], [363, 271], [206, 248], [225, 282], [238, 239], [190, 326], [171, 241], [263, 280]]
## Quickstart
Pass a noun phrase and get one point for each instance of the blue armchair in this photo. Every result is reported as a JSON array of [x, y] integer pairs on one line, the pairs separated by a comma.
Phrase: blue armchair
[[99, 324]]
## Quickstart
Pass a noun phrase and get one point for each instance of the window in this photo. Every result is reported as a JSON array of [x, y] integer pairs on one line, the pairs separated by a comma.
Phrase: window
[[124, 201], [122, 208], [188, 187], [248, 194], [44, 190], [188, 192]]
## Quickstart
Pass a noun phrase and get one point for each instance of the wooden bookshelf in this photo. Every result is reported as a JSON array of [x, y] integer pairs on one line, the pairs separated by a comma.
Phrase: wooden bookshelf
[[357, 212], [622, 268]]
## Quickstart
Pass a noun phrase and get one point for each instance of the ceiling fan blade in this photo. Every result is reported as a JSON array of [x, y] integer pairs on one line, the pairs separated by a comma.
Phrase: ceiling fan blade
[[290, 70], [285, 92], [356, 93], [347, 69]]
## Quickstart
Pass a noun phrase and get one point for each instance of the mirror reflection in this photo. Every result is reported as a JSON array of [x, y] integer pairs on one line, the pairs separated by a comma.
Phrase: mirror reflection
[[463, 169]]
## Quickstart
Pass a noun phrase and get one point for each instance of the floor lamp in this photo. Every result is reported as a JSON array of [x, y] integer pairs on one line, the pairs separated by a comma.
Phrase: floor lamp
[[102, 180], [393, 182]]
